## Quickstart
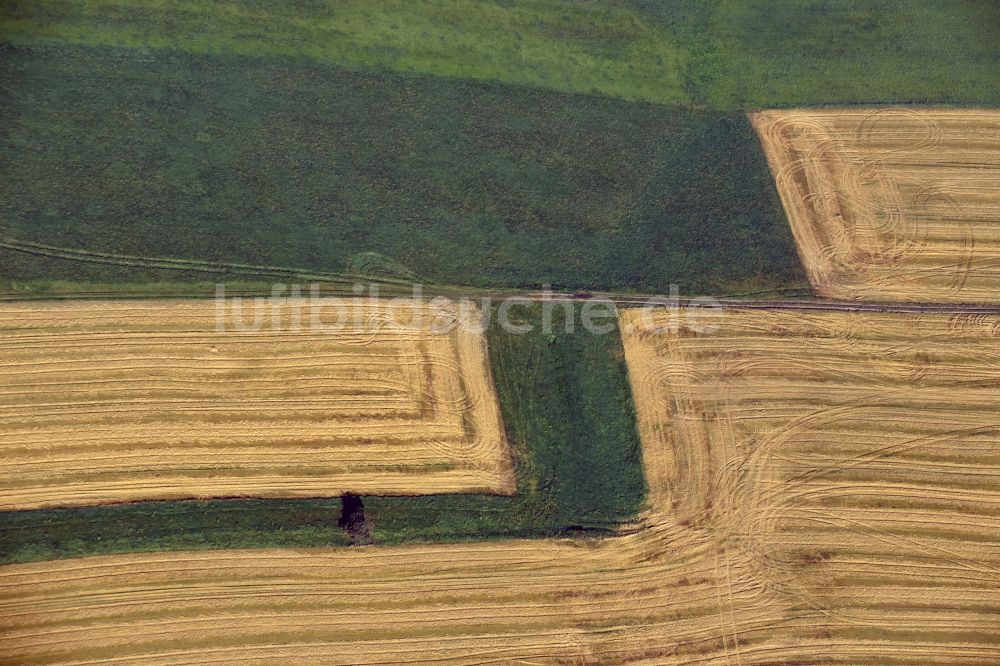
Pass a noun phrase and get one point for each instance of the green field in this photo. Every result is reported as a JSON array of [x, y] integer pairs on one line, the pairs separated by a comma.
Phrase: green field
[[228, 159], [729, 54], [570, 419]]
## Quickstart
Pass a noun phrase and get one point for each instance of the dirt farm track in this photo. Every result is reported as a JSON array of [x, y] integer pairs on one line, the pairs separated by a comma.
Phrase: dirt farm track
[[845, 512]]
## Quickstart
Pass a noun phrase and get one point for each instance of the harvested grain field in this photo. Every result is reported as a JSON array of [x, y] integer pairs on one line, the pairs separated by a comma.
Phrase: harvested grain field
[[894, 204], [825, 488], [119, 401]]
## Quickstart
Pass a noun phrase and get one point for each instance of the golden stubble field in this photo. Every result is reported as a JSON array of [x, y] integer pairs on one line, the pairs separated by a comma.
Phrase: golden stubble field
[[118, 401], [892, 204], [824, 488]]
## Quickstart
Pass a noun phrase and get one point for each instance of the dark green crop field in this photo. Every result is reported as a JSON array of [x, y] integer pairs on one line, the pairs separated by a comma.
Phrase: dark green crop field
[[566, 403], [229, 159], [314, 135]]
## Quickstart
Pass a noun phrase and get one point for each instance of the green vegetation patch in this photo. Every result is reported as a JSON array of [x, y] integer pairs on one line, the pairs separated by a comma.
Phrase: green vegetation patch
[[571, 424], [565, 400], [580, 46], [728, 54], [48, 534], [239, 161], [778, 53]]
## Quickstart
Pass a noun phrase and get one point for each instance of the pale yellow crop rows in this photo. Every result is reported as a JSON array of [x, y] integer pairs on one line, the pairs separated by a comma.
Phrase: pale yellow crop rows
[[117, 401], [853, 458], [824, 488], [891, 204]]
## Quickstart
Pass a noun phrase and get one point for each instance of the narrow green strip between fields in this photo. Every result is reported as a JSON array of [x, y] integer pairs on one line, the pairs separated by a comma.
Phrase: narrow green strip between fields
[[570, 419], [569, 415]]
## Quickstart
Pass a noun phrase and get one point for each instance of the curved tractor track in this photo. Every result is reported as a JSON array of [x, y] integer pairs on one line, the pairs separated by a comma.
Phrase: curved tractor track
[[824, 488]]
